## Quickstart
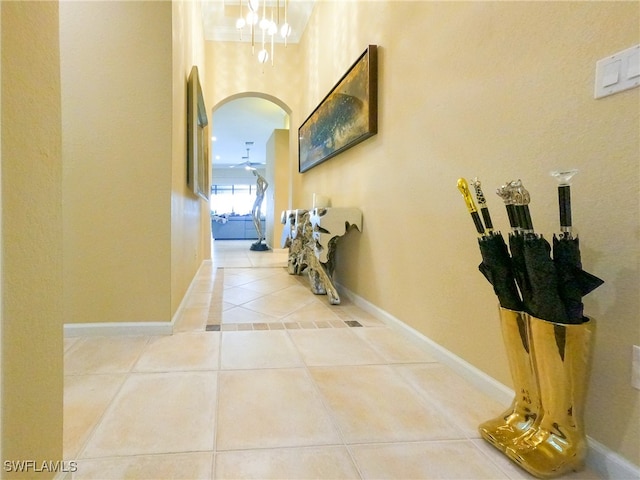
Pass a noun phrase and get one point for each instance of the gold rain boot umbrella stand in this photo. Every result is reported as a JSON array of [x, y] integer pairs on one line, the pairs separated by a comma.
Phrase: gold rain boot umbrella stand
[[503, 430], [556, 442], [543, 429]]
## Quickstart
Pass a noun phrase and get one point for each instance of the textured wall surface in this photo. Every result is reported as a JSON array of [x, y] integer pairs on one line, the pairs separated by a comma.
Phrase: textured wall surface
[[116, 69], [31, 401], [190, 215], [498, 90]]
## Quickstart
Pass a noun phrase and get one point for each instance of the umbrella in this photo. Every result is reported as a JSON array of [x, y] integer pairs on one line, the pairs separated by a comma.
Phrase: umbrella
[[496, 262], [505, 193], [497, 269], [527, 278], [533, 267], [516, 238], [463, 186], [482, 202], [516, 246], [521, 199], [543, 301], [573, 282]]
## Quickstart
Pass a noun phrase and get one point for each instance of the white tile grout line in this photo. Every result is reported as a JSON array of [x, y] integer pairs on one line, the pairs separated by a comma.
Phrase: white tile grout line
[[215, 312], [109, 407], [600, 458], [327, 408]]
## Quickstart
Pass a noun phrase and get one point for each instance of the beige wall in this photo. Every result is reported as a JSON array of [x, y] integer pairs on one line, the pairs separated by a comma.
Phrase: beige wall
[[498, 90], [116, 64], [106, 109], [233, 72], [190, 220], [135, 234], [1, 240], [31, 257]]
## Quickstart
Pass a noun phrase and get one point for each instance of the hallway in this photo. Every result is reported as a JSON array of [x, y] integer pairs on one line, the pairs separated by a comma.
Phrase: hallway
[[262, 379]]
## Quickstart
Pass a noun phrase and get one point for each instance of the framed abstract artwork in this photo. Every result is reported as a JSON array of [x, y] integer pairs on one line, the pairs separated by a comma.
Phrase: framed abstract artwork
[[198, 165], [345, 117]]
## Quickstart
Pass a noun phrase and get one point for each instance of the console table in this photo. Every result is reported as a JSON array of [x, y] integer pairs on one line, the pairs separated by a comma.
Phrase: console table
[[312, 237]]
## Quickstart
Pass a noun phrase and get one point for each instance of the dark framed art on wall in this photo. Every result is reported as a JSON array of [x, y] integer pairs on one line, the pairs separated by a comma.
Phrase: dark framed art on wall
[[198, 165], [345, 117]]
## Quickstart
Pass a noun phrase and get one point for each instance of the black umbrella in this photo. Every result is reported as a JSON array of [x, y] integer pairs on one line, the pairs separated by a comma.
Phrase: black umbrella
[[544, 299], [496, 263], [482, 202], [496, 267], [573, 282], [533, 267], [516, 246], [505, 192], [463, 186], [516, 238], [521, 199]]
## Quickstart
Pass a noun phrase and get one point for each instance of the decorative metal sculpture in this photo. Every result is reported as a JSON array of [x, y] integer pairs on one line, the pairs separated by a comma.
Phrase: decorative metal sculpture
[[261, 187], [312, 237], [293, 238]]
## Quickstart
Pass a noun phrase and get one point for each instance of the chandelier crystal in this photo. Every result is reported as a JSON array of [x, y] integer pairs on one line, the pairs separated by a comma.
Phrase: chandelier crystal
[[257, 21]]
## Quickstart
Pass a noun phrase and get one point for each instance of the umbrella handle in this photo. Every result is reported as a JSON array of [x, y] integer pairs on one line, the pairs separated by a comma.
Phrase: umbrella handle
[[521, 200], [483, 205], [463, 186], [564, 199], [511, 214], [505, 192], [564, 204], [524, 217]]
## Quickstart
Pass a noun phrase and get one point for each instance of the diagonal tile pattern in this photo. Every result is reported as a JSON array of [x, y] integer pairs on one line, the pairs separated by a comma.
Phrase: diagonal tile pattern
[[263, 380]]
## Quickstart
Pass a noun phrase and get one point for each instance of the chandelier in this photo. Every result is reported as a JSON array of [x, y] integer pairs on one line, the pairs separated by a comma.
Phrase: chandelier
[[264, 21]]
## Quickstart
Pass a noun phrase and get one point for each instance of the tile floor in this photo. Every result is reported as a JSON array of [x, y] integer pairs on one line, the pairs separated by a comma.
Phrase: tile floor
[[263, 380]]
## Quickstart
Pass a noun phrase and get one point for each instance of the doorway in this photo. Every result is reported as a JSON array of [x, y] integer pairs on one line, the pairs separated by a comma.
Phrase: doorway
[[249, 132]]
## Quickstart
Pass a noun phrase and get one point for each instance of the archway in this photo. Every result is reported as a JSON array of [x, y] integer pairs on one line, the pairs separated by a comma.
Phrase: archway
[[249, 131]]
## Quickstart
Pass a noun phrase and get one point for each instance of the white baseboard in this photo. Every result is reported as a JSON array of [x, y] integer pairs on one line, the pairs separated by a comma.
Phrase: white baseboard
[[473, 375], [610, 465], [117, 328], [602, 460], [132, 328]]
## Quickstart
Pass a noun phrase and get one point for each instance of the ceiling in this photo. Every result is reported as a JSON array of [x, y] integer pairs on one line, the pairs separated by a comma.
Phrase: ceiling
[[249, 119], [219, 17]]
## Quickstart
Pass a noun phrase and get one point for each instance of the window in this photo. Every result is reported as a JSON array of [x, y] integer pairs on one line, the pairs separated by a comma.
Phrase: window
[[234, 199]]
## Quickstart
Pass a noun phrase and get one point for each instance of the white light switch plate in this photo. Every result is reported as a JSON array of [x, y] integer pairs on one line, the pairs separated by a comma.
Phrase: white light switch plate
[[618, 72]]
